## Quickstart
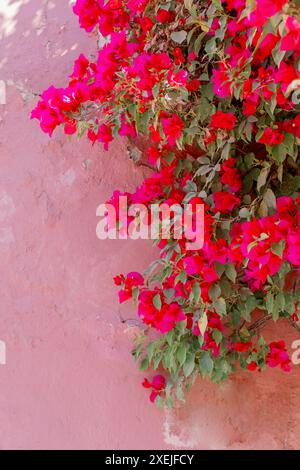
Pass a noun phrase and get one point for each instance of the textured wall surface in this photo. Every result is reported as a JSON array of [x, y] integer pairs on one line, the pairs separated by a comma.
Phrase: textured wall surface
[[69, 381]]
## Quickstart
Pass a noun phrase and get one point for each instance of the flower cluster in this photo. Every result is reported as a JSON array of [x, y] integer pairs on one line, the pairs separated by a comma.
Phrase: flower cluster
[[213, 87]]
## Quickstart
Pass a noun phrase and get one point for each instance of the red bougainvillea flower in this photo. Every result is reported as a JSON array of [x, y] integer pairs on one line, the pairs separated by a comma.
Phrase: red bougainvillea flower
[[157, 384], [242, 347], [80, 67], [132, 280], [265, 9], [146, 24], [178, 79], [265, 47], [127, 129], [88, 12], [271, 137], [230, 175], [119, 280], [293, 247], [221, 80], [178, 56], [70, 127], [104, 135], [252, 366], [291, 41], [172, 127], [153, 155], [193, 85], [278, 356], [210, 344], [221, 120], [200, 265], [153, 188], [145, 84], [285, 74], [164, 16], [161, 316], [225, 202], [292, 126]]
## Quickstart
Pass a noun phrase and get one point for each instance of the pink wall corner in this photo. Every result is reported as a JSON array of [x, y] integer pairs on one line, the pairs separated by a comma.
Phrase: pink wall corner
[[69, 381]]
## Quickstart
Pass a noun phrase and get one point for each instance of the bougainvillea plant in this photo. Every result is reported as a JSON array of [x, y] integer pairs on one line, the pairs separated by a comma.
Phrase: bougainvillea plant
[[213, 87]]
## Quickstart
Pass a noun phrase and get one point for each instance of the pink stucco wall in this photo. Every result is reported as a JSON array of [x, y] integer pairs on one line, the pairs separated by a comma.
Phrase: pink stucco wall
[[69, 381]]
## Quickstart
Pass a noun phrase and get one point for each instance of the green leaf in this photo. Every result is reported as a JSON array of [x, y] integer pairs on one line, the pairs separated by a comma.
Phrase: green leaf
[[220, 268], [289, 142], [179, 36], [278, 248], [189, 364], [181, 354], [270, 302], [214, 292], [206, 364], [198, 42], [169, 401], [217, 336], [211, 46], [220, 306], [157, 301], [279, 305], [159, 402], [179, 392], [196, 290], [202, 323], [262, 178], [144, 364], [270, 199], [244, 213], [230, 272], [235, 317]]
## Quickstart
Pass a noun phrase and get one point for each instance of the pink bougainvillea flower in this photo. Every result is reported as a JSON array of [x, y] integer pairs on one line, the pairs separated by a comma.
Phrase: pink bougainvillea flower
[[221, 120], [70, 127], [178, 79], [265, 47], [162, 317], [291, 41], [80, 67], [132, 280], [221, 80], [88, 12], [49, 111], [192, 56], [285, 74], [264, 10], [104, 135], [293, 247], [143, 81], [172, 127], [127, 129], [278, 356], [157, 384], [153, 155], [193, 264]]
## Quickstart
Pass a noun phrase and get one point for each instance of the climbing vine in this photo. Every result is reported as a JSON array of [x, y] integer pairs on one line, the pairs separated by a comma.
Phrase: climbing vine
[[213, 87]]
